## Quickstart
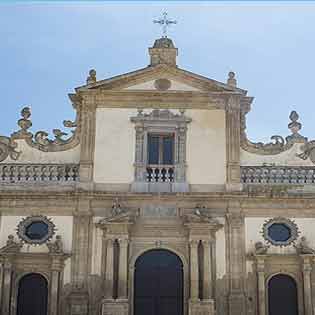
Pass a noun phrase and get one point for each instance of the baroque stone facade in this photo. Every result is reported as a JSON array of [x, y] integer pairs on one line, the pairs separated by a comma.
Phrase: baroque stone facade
[[81, 214]]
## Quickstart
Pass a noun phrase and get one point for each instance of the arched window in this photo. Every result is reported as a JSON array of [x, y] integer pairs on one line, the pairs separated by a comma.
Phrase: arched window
[[32, 295]]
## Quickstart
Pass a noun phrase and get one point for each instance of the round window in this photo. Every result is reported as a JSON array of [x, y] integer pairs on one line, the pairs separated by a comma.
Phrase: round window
[[36, 229], [280, 231]]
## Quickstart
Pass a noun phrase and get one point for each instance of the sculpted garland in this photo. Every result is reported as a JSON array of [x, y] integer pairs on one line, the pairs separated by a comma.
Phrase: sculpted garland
[[40, 139]]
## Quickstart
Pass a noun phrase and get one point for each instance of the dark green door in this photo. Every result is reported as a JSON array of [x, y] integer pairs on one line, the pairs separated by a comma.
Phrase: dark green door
[[282, 295], [158, 284], [32, 295]]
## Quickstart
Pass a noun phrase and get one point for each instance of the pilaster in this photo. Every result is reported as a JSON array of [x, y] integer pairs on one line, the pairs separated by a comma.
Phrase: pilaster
[[307, 261], [207, 270], [233, 171], [88, 130], [194, 270], [109, 273], [260, 266], [123, 268], [236, 260], [7, 274], [80, 261]]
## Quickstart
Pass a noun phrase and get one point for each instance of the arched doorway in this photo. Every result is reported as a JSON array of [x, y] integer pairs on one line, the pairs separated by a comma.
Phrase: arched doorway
[[32, 295], [282, 295], [158, 286]]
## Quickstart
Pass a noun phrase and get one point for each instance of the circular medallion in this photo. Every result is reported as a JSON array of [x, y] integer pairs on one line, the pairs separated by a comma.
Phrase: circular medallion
[[280, 231], [36, 229], [162, 84]]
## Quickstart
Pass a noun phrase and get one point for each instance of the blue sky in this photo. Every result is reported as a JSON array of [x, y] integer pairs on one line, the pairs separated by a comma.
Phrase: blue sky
[[47, 49]]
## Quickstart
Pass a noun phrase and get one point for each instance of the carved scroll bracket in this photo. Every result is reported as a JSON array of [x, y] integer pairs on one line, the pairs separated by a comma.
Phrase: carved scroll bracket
[[40, 139], [278, 144]]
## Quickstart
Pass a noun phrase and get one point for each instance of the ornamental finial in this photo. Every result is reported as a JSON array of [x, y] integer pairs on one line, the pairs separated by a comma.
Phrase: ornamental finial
[[231, 79], [164, 22]]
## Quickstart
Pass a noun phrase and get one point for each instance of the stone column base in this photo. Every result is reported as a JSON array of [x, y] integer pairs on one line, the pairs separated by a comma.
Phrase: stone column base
[[79, 301], [201, 307], [237, 304], [115, 307]]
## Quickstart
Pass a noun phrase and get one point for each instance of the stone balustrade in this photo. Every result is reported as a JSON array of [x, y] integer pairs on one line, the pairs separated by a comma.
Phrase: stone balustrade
[[160, 173], [277, 175], [13, 173]]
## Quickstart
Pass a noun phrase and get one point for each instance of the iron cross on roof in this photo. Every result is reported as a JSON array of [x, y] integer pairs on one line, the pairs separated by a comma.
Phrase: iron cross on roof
[[164, 22]]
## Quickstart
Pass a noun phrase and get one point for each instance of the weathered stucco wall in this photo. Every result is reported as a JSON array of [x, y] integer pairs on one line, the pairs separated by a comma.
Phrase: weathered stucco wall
[[32, 155], [115, 146], [286, 158], [206, 148]]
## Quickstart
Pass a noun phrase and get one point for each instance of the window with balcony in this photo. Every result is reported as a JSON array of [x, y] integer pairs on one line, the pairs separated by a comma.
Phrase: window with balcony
[[160, 158], [160, 153]]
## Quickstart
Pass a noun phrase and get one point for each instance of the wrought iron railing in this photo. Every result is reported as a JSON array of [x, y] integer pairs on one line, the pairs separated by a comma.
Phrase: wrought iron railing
[[277, 175], [39, 173], [160, 173]]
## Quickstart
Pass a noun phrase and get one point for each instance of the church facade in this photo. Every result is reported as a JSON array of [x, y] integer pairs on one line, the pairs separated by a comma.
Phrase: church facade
[[157, 203]]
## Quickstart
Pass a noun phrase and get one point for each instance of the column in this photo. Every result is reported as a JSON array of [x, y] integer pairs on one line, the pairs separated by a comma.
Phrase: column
[[7, 271], [207, 270], [123, 268], [54, 286], [307, 269], [194, 270], [261, 284], [233, 179], [109, 273], [236, 260]]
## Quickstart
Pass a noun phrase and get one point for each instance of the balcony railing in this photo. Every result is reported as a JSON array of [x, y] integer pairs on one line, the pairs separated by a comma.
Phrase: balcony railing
[[277, 175], [12, 173], [160, 173]]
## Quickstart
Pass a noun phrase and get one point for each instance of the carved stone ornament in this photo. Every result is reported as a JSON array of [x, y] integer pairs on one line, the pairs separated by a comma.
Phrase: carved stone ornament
[[289, 225], [26, 224], [40, 140], [8, 148], [260, 248], [199, 215], [119, 214], [278, 144], [11, 246], [308, 151], [56, 247], [303, 248], [162, 84]]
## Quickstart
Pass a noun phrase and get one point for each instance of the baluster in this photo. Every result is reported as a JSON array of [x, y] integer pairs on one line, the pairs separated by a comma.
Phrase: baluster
[[15, 173], [54, 173]]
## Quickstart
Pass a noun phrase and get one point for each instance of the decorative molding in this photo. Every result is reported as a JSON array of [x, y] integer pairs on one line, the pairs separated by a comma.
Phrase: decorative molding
[[8, 148], [278, 144], [41, 141], [22, 227], [291, 225]]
